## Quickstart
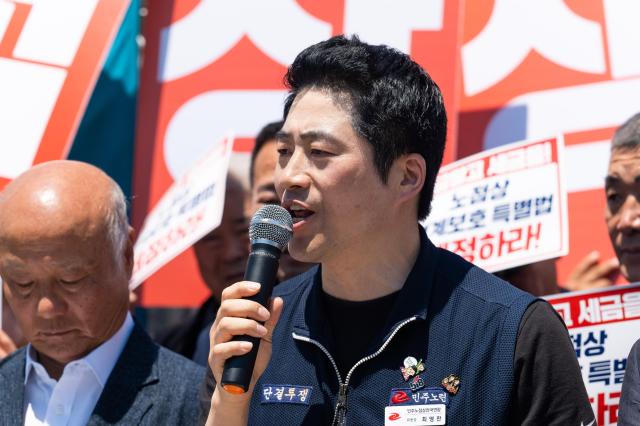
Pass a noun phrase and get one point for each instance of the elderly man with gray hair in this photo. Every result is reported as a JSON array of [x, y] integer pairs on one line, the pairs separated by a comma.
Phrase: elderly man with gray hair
[[66, 255], [622, 187]]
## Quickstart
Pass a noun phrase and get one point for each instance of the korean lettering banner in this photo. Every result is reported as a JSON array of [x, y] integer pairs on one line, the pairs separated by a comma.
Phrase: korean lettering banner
[[534, 69], [211, 65], [503, 207], [50, 56], [190, 209], [604, 325]]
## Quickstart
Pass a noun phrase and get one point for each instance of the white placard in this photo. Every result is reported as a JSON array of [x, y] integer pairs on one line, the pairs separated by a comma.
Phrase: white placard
[[604, 325], [189, 210], [503, 207]]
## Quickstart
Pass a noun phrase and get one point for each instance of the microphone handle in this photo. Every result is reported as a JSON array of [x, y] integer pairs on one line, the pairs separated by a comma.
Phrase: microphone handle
[[262, 267]]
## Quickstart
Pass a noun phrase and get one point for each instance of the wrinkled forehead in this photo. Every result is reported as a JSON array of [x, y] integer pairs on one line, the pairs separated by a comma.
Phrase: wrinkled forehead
[[53, 245], [624, 163]]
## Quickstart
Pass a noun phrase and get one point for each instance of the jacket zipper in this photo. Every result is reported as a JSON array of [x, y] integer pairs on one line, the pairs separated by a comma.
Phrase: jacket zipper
[[340, 414]]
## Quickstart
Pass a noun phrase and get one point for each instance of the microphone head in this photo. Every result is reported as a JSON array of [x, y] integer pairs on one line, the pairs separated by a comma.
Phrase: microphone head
[[271, 224]]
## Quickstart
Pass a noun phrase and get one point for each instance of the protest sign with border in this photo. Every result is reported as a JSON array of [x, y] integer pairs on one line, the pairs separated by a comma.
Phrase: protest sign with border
[[190, 209], [603, 324], [503, 207]]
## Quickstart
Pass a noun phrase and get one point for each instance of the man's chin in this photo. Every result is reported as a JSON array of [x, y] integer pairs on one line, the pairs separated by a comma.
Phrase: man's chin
[[303, 252], [631, 274], [62, 351]]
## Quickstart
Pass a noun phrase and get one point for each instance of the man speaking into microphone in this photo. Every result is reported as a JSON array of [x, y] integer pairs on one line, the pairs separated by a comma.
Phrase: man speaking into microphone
[[387, 329]]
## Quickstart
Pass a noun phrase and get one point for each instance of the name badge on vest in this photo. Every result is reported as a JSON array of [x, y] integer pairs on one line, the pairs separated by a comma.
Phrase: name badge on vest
[[427, 406], [285, 394], [415, 415]]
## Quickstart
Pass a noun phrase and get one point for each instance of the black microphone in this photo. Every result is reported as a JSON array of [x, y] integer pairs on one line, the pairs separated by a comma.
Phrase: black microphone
[[270, 231]]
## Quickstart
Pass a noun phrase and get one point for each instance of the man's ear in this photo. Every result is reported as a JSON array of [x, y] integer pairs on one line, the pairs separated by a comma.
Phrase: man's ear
[[411, 172]]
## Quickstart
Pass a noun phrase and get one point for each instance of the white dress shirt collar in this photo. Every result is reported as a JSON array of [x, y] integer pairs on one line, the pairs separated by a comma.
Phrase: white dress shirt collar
[[70, 400], [101, 360]]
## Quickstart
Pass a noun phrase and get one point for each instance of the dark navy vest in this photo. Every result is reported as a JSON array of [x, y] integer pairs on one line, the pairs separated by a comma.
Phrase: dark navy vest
[[452, 315]]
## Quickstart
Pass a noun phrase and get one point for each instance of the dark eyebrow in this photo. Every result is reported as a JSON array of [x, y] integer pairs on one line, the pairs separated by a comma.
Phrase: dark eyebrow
[[309, 136], [283, 136], [315, 135]]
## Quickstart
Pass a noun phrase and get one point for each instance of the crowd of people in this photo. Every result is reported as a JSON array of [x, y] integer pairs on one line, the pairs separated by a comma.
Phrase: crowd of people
[[367, 313]]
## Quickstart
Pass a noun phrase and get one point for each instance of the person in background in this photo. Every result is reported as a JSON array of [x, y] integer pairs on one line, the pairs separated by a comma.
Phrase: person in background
[[263, 190], [66, 257], [622, 189], [222, 256], [622, 215]]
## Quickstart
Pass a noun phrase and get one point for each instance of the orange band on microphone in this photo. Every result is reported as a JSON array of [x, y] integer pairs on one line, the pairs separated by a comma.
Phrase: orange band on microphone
[[234, 389]]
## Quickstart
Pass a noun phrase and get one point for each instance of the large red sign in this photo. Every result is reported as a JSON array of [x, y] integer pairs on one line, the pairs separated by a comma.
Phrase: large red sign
[[536, 69], [213, 66], [50, 58], [510, 70]]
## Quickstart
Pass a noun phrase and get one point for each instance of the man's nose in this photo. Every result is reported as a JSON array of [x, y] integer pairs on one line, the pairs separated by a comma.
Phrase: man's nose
[[293, 174], [50, 303], [630, 215]]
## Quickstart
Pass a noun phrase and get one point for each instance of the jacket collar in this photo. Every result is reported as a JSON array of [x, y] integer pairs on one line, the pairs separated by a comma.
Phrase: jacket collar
[[130, 390], [413, 300]]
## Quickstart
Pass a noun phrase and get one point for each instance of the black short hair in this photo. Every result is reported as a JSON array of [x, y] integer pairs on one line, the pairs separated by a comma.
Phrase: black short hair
[[267, 133], [394, 104], [628, 135]]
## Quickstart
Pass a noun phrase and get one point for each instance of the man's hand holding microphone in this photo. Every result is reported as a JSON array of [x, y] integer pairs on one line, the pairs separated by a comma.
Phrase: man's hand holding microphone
[[241, 335]]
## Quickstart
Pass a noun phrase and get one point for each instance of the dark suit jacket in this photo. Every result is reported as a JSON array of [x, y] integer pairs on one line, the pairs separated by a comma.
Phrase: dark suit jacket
[[629, 409], [149, 385]]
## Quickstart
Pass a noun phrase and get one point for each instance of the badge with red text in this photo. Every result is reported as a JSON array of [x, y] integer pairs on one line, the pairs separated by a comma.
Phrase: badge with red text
[[451, 383], [415, 415], [412, 367], [431, 395]]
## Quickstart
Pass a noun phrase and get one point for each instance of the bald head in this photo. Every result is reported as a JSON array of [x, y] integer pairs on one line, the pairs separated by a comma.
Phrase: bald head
[[63, 197], [66, 255]]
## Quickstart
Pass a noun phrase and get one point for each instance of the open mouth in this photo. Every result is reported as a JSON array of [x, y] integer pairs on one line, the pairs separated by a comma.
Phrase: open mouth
[[299, 213]]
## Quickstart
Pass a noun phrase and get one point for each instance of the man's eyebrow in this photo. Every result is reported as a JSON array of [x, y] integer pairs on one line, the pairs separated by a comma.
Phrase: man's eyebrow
[[309, 136], [313, 135], [283, 136]]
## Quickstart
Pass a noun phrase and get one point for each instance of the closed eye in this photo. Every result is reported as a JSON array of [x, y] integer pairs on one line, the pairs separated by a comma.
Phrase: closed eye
[[71, 282]]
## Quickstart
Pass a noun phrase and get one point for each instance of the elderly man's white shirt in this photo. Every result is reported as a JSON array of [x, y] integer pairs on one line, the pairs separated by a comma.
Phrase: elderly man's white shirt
[[71, 400]]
